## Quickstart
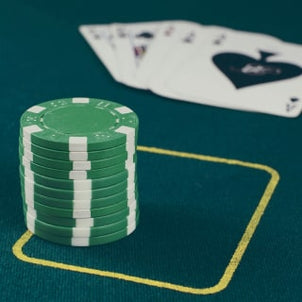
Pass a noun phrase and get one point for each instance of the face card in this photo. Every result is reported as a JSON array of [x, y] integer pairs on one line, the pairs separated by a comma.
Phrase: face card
[[132, 43], [100, 39], [244, 71]]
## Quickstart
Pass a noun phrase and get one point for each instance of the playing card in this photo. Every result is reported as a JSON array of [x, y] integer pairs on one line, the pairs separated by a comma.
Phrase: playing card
[[132, 42], [244, 71], [100, 39], [164, 44], [192, 37]]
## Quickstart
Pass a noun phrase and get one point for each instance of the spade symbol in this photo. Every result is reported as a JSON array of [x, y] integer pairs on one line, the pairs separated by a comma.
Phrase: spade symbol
[[246, 71]]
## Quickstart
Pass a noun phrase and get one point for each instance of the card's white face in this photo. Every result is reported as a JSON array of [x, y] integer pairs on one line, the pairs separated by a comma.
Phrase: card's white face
[[203, 64], [252, 72], [188, 39], [101, 40], [165, 45], [132, 42]]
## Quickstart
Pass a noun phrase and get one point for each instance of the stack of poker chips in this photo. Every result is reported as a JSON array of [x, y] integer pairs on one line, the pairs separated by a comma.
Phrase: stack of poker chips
[[78, 171]]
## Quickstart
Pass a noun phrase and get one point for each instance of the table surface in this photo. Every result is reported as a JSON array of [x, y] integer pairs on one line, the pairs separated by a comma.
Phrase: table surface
[[220, 190]]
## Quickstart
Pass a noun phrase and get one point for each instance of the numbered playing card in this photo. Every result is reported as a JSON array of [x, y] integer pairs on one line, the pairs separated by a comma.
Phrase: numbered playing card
[[164, 45], [100, 38], [243, 71], [209, 65], [132, 41]]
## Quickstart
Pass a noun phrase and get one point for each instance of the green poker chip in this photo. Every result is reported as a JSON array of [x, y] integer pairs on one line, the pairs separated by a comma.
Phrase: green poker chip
[[64, 155], [69, 184], [81, 195], [78, 124], [79, 204], [82, 231], [73, 222], [90, 174], [81, 213], [73, 165], [84, 241]]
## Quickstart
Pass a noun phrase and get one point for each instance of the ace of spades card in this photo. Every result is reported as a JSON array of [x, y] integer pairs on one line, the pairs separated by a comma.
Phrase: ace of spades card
[[246, 71]]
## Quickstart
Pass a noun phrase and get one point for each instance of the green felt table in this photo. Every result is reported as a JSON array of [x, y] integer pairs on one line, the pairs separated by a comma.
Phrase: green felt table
[[220, 190]]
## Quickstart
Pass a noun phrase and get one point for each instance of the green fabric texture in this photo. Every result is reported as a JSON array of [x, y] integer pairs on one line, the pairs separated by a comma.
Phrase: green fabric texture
[[193, 212]]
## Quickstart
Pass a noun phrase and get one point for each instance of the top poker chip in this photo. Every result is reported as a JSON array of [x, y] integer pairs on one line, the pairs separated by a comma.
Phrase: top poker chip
[[79, 124]]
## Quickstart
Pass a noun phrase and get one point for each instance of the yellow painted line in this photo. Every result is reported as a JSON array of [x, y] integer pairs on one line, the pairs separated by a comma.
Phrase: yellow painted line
[[234, 261]]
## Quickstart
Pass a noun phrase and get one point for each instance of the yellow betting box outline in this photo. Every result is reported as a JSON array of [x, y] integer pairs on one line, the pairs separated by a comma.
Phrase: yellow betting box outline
[[230, 268]]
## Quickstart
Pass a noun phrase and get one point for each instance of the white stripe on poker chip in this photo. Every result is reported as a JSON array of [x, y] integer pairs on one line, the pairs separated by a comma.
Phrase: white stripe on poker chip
[[36, 109], [31, 215], [29, 174], [131, 228], [31, 211], [25, 162], [78, 156], [82, 191], [78, 143], [81, 213], [82, 185], [30, 222], [31, 227], [29, 181], [123, 110], [80, 100], [82, 195], [131, 217], [84, 222], [80, 205], [131, 174], [26, 143], [81, 165], [130, 139], [78, 175], [30, 200], [29, 194], [129, 164], [28, 130], [80, 241], [28, 154], [132, 205], [80, 232], [29, 187]]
